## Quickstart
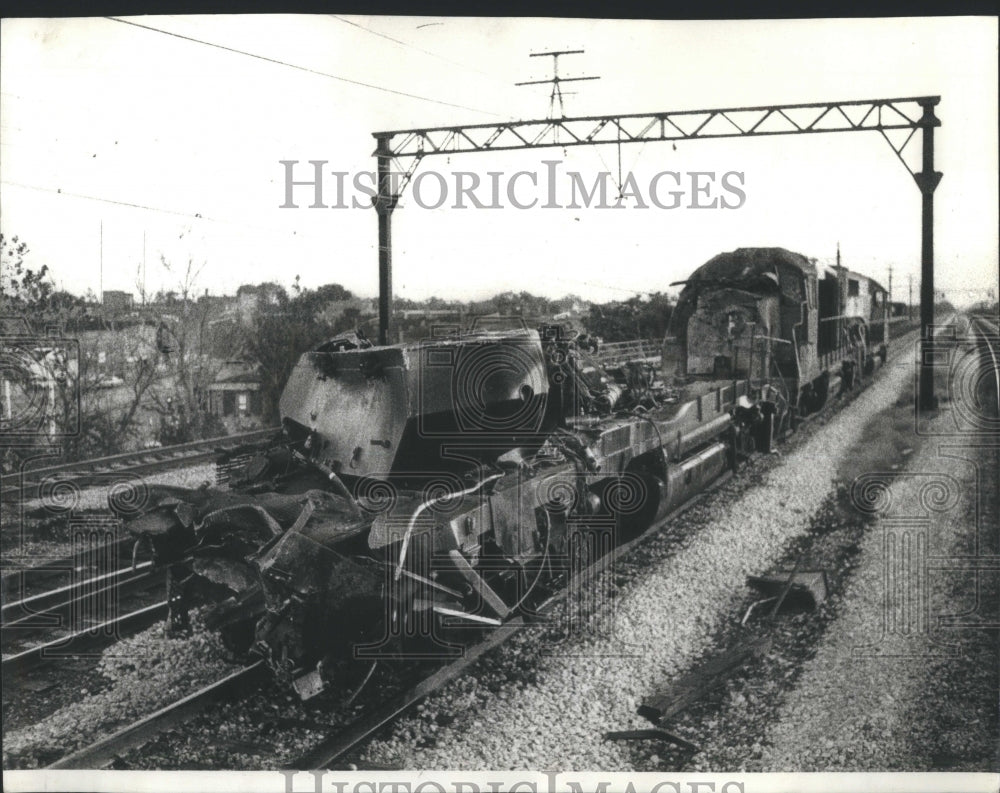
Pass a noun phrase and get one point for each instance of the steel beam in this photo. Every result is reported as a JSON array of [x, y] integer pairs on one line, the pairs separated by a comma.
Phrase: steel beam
[[861, 115], [793, 119]]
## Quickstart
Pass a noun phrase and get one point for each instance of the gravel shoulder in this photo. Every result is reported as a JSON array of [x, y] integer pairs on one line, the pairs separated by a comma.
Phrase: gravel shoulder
[[894, 684]]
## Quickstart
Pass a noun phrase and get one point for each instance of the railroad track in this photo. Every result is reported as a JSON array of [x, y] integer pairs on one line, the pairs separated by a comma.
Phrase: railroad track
[[20, 583], [343, 741], [38, 482], [986, 331], [89, 611], [89, 640], [105, 750]]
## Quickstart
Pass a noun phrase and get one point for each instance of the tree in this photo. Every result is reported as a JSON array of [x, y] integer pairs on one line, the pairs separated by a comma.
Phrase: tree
[[21, 287], [184, 342], [631, 319], [287, 327], [67, 366]]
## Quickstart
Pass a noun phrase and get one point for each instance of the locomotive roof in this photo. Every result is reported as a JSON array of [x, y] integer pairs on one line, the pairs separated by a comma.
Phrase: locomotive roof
[[748, 263]]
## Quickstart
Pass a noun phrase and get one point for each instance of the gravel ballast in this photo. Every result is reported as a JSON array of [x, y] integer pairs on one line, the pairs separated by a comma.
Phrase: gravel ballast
[[887, 691], [137, 675]]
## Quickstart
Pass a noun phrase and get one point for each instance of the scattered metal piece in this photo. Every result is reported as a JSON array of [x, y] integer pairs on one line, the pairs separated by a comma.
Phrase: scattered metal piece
[[786, 588], [654, 733], [807, 586], [309, 685], [458, 616], [691, 687], [368, 676], [484, 590], [753, 606]]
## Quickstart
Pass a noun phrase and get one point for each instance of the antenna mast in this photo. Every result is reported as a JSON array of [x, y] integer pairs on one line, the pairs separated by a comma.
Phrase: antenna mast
[[556, 79]]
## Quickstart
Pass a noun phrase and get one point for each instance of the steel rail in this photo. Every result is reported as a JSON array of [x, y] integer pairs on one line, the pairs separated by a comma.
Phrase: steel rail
[[53, 568], [16, 611], [87, 640], [82, 600], [987, 332], [28, 484], [105, 750]]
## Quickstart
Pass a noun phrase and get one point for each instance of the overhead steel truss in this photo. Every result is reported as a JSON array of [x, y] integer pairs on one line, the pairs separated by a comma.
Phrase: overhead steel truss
[[399, 152]]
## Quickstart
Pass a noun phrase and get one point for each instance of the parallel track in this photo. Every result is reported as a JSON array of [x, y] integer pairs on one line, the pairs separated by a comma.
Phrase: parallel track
[[86, 641], [23, 582], [987, 331], [80, 608], [33, 483]]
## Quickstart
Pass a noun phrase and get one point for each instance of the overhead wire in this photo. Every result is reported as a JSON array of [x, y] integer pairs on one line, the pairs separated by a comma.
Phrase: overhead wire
[[317, 72], [419, 49], [276, 235]]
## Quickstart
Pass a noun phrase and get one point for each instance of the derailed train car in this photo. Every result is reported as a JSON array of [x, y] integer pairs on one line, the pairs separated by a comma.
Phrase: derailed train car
[[418, 489]]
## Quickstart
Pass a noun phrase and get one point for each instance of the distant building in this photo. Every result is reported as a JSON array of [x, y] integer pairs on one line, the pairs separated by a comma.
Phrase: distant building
[[234, 395], [116, 302]]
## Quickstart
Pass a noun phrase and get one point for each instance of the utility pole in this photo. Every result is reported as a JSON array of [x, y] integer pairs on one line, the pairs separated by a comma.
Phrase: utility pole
[[556, 79], [100, 282], [890, 283], [927, 180], [909, 301], [384, 204]]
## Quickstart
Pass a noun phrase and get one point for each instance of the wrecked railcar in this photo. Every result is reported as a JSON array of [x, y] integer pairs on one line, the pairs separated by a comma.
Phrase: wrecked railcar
[[418, 490]]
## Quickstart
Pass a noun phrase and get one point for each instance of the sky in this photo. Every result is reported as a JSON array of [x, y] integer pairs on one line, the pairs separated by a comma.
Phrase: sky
[[122, 147]]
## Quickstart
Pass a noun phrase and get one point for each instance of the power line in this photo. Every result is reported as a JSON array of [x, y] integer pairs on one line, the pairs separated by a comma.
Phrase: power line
[[60, 191], [260, 230], [300, 68], [418, 49], [276, 235]]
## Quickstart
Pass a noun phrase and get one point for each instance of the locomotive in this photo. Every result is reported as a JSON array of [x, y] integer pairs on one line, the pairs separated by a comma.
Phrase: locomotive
[[782, 320], [423, 489]]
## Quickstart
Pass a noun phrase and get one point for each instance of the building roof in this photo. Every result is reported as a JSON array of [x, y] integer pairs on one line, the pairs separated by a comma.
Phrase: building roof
[[238, 372]]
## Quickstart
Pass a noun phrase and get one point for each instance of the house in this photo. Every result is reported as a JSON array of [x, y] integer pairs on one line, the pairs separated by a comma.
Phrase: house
[[235, 396], [116, 302]]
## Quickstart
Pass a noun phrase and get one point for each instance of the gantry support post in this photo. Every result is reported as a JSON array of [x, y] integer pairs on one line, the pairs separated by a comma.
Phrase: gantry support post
[[385, 203], [927, 180]]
